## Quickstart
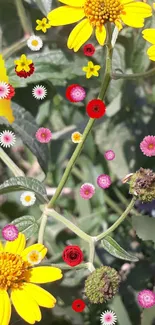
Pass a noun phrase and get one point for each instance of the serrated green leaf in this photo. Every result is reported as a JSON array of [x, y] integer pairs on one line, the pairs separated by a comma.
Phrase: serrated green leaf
[[27, 225], [25, 183], [144, 227], [26, 127], [113, 248]]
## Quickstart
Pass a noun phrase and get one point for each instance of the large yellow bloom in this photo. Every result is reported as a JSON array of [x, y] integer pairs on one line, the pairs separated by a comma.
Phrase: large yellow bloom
[[5, 104], [96, 14], [149, 35], [18, 277]]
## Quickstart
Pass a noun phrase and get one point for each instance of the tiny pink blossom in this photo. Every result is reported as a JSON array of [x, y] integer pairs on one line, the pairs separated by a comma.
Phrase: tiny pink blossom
[[10, 232], [147, 146], [146, 298], [109, 155], [43, 135], [87, 190], [7, 138], [108, 318], [103, 181]]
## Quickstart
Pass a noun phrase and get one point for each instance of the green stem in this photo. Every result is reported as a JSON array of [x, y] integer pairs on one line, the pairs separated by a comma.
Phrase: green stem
[[14, 47], [88, 128], [42, 228], [11, 165], [118, 222], [23, 17], [146, 74], [64, 266]]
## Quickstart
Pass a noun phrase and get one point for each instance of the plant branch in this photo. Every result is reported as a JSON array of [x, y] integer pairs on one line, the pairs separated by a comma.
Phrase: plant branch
[[42, 228], [27, 27], [119, 221], [146, 74], [11, 165]]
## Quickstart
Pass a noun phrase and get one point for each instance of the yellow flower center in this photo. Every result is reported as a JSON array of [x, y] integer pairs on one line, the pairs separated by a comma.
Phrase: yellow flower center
[[100, 11], [151, 146], [34, 42], [13, 271], [28, 198]]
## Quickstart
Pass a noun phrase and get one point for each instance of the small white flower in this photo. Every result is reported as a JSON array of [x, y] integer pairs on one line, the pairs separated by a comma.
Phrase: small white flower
[[39, 92], [7, 138], [108, 318], [34, 257], [4, 89], [34, 43], [28, 198]]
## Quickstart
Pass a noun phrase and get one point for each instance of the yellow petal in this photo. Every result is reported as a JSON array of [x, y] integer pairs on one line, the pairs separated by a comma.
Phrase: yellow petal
[[5, 308], [73, 3], [126, 1], [6, 110], [95, 73], [23, 58], [97, 67], [1, 247], [79, 35], [3, 73], [38, 27], [25, 305], [41, 296], [16, 246], [89, 74], [90, 64], [36, 247], [44, 274], [151, 52], [65, 15], [100, 34], [44, 20], [118, 24], [85, 69], [133, 21], [149, 35], [38, 21]]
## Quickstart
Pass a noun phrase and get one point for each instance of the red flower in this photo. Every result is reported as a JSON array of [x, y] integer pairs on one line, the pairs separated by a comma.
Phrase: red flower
[[78, 305], [89, 49], [11, 92], [72, 255], [23, 73], [75, 93], [96, 108]]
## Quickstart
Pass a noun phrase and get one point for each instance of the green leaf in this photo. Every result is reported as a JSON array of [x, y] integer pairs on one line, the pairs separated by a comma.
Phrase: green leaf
[[148, 316], [144, 227], [112, 247], [25, 183], [26, 127], [122, 314], [27, 225]]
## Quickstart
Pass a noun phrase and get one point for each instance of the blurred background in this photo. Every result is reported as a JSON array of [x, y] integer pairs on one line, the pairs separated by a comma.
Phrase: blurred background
[[130, 117]]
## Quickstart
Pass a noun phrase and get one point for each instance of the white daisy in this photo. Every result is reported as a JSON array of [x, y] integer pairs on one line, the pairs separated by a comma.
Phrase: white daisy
[[28, 198], [7, 138], [4, 89], [39, 92], [34, 43], [108, 318]]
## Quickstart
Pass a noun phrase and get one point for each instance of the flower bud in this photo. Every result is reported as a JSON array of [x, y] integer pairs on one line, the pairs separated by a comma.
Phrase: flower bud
[[102, 284], [142, 184]]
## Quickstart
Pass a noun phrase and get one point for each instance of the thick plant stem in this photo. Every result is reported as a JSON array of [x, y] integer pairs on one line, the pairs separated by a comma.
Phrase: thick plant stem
[[23, 17], [146, 74], [118, 222], [11, 165], [104, 86]]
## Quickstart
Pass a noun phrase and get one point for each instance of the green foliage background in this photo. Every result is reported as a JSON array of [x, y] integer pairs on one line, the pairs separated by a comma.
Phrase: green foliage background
[[130, 116]]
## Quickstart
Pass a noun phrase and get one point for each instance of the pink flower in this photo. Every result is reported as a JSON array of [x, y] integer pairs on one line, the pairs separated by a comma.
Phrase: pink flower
[[109, 155], [39, 92], [7, 138], [4, 89], [103, 181], [43, 135], [108, 318], [147, 146], [10, 232], [75, 93], [146, 298], [87, 190]]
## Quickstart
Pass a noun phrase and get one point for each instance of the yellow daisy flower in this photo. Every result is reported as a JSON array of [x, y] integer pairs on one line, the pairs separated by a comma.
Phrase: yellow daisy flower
[[91, 70], [76, 137], [17, 278], [42, 25], [96, 13], [5, 104], [149, 35], [23, 64]]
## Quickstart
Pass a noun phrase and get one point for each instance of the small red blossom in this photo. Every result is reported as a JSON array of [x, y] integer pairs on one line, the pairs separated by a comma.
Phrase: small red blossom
[[75, 93], [89, 50], [11, 92], [23, 73], [78, 305], [96, 108], [72, 255]]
